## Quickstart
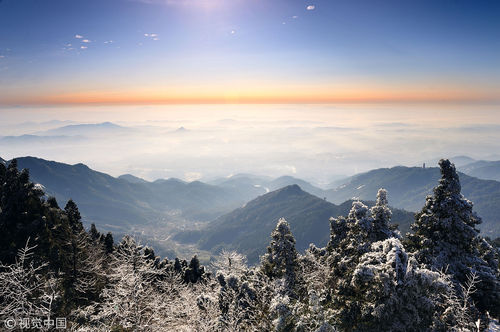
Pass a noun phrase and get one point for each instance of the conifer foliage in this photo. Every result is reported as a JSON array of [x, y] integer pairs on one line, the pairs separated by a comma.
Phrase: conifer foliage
[[281, 260], [445, 238]]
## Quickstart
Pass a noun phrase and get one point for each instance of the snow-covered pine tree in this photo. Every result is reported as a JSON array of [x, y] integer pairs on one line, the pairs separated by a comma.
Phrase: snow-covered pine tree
[[349, 240], [394, 294], [445, 238], [280, 264], [281, 259], [381, 219]]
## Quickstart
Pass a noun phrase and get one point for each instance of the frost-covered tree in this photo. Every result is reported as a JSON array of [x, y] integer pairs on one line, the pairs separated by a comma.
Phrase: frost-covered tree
[[312, 311], [352, 237], [445, 238], [394, 294], [230, 262], [130, 301], [281, 259], [381, 219], [460, 314], [87, 274], [25, 291], [349, 240], [236, 298]]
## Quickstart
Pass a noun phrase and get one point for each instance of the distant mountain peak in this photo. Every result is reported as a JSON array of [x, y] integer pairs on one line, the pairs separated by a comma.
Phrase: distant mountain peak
[[169, 180], [107, 123], [132, 178], [86, 128], [293, 188]]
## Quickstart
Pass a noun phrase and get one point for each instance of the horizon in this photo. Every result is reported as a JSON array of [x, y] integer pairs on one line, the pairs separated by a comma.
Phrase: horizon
[[318, 143]]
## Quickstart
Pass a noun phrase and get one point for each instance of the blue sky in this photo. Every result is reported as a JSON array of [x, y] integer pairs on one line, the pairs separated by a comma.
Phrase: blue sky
[[126, 51]]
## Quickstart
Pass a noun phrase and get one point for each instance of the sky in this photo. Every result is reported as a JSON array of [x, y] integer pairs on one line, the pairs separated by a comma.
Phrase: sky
[[123, 52]]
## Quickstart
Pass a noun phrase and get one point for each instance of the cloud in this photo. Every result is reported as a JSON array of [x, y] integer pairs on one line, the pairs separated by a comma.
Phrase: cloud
[[78, 36], [153, 36], [85, 41], [83, 47], [393, 124], [2, 56], [192, 176], [295, 17], [108, 42], [311, 7], [233, 32]]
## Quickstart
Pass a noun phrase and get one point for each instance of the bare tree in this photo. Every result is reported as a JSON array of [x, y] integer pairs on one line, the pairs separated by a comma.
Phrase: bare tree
[[24, 292]]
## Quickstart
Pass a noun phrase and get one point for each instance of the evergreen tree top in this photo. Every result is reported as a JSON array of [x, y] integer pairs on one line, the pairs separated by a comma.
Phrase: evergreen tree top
[[282, 230], [358, 211], [382, 197], [449, 182]]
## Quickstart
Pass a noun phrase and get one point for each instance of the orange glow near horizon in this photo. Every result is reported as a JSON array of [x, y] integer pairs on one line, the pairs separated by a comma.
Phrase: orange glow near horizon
[[293, 95]]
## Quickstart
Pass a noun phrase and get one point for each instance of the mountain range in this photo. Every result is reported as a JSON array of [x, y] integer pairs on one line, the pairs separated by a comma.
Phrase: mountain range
[[246, 202], [87, 129], [118, 203]]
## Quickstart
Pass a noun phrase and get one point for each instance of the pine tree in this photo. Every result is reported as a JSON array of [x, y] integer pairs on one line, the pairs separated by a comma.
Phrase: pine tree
[[392, 293], [381, 219], [109, 243], [21, 211], [281, 259], [74, 217], [195, 271], [94, 233], [350, 239], [445, 238]]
